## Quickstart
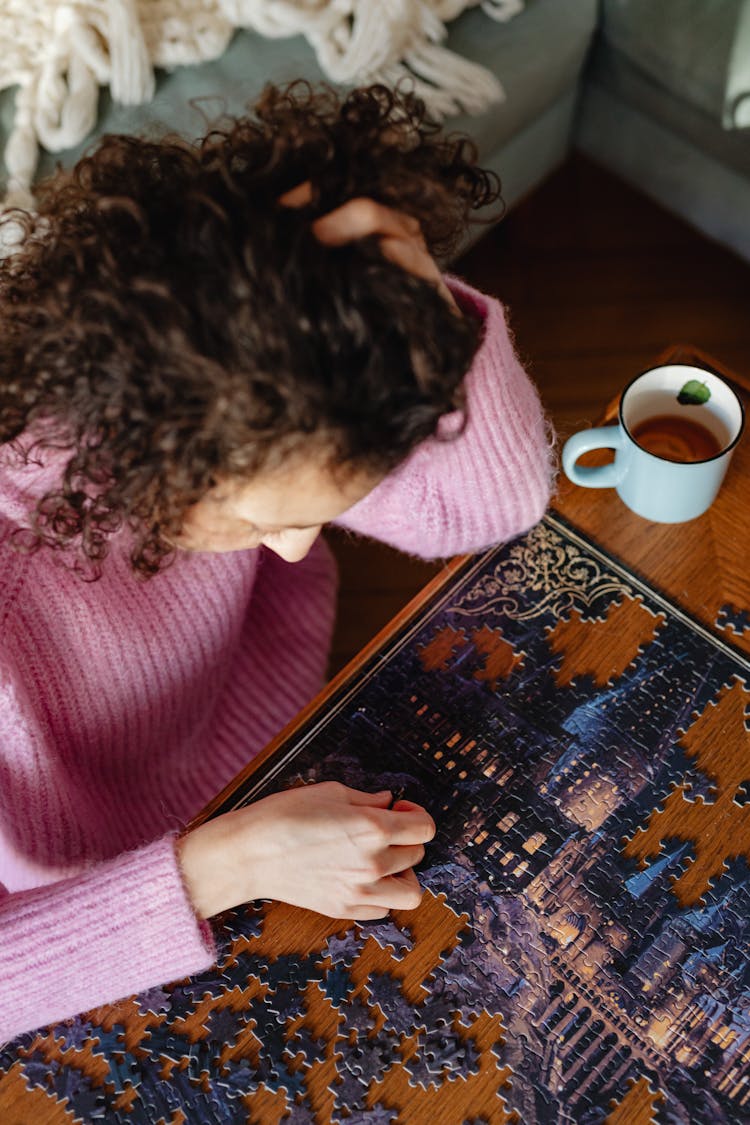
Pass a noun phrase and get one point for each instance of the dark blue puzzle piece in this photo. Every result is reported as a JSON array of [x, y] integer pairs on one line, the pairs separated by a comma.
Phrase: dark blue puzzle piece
[[734, 619], [156, 1000], [377, 1115], [389, 936], [337, 985], [224, 1025], [287, 1002], [368, 1059], [302, 1042], [344, 950], [400, 1015]]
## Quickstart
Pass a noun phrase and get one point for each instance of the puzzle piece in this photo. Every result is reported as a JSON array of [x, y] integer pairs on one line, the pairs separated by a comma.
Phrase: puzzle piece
[[443, 1053], [344, 950], [734, 619], [389, 936], [387, 993], [377, 1115]]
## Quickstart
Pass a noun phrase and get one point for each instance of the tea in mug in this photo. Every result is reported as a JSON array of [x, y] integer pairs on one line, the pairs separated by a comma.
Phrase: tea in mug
[[676, 438]]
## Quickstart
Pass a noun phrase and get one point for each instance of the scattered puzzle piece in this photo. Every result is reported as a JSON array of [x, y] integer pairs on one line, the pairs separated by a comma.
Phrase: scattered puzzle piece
[[735, 620]]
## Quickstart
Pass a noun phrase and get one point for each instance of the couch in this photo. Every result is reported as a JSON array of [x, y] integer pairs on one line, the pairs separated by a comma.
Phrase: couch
[[657, 90]]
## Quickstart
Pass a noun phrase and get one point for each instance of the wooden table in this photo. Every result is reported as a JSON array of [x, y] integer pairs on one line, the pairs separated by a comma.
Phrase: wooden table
[[342, 989]]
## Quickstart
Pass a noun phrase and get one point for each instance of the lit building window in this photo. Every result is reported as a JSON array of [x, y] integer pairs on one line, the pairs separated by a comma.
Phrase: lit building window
[[522, 867], [450, 765], [438, 753], [508, 821], [508, 858], [490, 769], [469, 746], [534, 842], [480, 837], [454, 738]]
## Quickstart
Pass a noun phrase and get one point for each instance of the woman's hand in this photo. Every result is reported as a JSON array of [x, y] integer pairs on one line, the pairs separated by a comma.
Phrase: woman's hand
[[400, 235], [326, 847]]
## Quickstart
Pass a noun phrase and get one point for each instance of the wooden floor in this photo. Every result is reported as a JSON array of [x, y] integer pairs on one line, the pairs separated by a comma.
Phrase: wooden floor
[[597, 280]]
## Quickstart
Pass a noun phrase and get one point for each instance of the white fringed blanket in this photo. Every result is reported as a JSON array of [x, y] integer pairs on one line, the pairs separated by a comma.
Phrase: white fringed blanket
[[59, 52]]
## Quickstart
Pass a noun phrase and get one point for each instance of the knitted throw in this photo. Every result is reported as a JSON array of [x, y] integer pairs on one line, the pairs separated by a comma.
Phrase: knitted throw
[[59, 52]]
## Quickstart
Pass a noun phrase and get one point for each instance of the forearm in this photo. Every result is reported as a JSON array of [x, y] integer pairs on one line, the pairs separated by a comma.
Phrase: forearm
[[486, 484], [213, 869], [125, 926]]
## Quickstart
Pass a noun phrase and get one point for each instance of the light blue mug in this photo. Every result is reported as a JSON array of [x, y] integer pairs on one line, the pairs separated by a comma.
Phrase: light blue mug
[[678, 426]]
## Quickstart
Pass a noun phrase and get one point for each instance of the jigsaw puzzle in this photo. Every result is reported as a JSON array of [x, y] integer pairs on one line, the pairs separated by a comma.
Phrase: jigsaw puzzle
[[581, 951]]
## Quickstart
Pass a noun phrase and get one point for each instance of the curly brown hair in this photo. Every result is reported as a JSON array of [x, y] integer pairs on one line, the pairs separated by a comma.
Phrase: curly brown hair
[[171, 324]]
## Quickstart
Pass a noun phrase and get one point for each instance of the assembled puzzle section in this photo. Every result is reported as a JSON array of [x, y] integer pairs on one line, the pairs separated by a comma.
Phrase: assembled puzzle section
[[581, 951]]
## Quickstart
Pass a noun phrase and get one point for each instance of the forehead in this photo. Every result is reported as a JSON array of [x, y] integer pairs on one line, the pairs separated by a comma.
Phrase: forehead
[[303, 494]]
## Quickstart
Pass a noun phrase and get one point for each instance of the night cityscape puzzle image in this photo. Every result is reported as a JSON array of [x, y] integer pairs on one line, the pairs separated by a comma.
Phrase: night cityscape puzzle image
[[582, 946]]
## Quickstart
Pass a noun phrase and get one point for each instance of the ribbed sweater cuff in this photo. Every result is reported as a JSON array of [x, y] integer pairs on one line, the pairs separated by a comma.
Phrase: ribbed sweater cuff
[[125, 926]]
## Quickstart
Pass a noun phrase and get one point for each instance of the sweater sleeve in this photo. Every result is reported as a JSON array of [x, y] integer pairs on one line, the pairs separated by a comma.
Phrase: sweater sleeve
[[484, 486], [124, 926], [120, 926]]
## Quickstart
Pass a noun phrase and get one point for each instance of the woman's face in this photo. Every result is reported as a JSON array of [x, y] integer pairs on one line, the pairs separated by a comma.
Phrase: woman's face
[[282, 510]]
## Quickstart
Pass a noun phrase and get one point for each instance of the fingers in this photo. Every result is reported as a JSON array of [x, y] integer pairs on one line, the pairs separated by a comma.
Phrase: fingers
[[412, 825], [397, 892], [400, 235], [339, 792], [377, 800], [399, 858], [362, 913], [394, 892], [409, 256], [402, 805], [406, 824], [298, 196], [361, 217], [357, 218]]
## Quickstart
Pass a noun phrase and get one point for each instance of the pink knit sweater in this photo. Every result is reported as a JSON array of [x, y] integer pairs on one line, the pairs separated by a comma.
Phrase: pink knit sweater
[[125, 706]]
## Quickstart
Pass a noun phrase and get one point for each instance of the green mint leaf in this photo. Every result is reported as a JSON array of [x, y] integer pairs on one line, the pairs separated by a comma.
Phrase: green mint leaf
[[694, 393]]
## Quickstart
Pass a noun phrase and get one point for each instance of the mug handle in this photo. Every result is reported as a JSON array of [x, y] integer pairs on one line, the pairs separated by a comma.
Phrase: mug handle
[[603, 476]]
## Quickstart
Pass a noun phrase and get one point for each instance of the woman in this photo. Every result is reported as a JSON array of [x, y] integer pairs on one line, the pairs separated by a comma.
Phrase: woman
[[210, 351]]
